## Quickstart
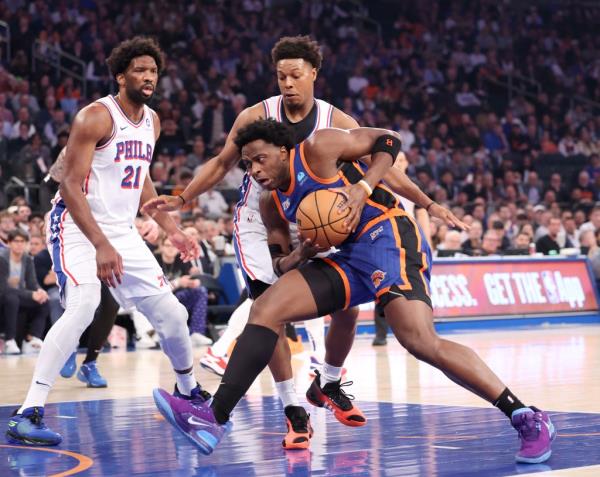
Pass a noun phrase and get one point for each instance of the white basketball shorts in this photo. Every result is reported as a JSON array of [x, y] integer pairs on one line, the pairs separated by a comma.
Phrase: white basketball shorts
[[74, 258]]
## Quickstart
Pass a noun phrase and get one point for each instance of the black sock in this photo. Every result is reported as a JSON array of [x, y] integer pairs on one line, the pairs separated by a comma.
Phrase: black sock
[[102, 324], [250, 356], [508, 403]]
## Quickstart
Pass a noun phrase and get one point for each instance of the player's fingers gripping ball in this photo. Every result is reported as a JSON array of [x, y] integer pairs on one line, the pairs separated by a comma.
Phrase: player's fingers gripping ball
[[320, 220]]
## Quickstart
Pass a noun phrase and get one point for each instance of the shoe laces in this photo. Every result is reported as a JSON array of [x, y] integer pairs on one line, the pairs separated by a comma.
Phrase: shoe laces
[[338, 395], [530, 426], [36, 418]]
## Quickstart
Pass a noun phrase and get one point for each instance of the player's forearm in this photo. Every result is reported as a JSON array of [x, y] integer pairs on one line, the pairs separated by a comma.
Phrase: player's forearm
[[401, 184], [165, 222], [210, 175], [381, 163], [163, 219], [80, 211], [285, 263]]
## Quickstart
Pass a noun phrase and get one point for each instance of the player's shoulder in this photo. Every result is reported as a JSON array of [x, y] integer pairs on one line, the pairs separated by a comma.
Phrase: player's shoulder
[[250, 114], [324, 139], [94, 114], [341, 120]]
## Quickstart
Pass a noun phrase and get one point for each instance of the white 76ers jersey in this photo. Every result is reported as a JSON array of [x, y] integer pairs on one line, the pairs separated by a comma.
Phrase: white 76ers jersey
[[113, 186]]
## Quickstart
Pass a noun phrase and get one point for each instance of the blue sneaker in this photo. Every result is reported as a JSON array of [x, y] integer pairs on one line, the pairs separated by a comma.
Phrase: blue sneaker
[[195, 419], [88, 373], [28, 428], [68, 370]]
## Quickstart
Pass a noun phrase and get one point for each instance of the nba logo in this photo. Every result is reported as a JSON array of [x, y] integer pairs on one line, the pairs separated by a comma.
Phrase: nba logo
[[148, 122], [301, 175]]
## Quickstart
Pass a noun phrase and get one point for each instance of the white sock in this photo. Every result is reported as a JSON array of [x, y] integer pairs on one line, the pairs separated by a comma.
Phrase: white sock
[[330, 374], [315, 329], [287, 393], [186, 382], [235, 326], [61, 340]]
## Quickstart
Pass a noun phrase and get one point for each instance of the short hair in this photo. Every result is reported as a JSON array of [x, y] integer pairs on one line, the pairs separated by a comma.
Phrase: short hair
[[13, 234], [268, 130], [121, 56], [293, 47]]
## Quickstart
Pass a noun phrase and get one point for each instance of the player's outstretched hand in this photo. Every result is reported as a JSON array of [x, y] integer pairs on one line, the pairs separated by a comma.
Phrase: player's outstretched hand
[[109, 265], [356, 196], [189, 249], [307, 249], [444, 214], [162, 203]]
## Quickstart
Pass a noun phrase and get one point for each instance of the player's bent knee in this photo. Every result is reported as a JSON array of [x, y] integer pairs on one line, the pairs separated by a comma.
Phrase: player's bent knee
[[422, 347], [265, 313]]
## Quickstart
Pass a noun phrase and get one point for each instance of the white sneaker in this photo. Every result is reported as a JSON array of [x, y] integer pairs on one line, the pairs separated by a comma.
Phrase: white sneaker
[[33, 346], [10, 347], [199, 339], [212, 363]]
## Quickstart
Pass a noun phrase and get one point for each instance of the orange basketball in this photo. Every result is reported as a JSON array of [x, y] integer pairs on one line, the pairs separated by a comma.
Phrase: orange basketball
[[319, 218]]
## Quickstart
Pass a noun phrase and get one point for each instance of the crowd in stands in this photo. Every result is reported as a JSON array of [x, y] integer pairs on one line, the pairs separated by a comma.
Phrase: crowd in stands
[[497, 104]]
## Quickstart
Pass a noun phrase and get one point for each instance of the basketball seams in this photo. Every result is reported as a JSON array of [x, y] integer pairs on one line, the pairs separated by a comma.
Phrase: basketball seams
[[311, 212], [321, 219]]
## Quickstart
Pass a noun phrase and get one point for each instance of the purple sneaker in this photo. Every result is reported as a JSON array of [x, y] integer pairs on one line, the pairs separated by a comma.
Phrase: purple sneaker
[[536, 433], [193, 417]]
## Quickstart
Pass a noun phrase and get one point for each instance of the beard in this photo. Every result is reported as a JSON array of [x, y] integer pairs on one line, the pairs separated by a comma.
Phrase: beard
[[136, 96]]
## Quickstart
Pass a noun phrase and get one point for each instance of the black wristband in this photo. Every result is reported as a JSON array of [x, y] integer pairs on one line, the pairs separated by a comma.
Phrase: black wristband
[[387, 143], [429, 206], [182, 199]]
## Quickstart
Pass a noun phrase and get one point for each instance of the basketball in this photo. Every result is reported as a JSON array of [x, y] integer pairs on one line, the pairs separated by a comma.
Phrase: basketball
[[319, 218]]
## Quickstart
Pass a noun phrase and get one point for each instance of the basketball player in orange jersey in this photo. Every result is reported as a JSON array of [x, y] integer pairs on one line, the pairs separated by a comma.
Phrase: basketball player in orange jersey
[[297, 61], [385, 258], [94, 238]]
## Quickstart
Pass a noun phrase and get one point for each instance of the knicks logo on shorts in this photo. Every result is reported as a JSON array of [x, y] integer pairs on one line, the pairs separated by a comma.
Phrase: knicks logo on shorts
[[377, 277]]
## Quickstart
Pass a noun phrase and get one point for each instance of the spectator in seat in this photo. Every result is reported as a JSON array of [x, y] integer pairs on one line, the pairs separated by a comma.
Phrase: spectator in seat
[[490, 243], [7, 223], [593, 224], [188, 290], [522, 241], [473, 241], [22, 294], [548, 244]]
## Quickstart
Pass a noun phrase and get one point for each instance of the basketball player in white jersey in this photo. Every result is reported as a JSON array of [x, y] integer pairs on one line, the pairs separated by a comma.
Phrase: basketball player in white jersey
[[94, 238], [297, 61]]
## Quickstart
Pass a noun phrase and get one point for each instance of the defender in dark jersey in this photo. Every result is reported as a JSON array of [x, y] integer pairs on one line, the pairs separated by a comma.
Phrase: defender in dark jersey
[[368, 265]]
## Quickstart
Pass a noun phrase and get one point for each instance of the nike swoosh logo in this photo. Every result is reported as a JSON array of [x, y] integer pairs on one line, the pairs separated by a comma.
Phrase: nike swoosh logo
[[124, 127], [43, 384], [195, 422]]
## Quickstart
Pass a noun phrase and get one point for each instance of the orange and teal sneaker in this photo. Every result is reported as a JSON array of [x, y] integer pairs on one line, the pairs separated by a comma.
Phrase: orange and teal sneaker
[[299, 430], [334, 398]]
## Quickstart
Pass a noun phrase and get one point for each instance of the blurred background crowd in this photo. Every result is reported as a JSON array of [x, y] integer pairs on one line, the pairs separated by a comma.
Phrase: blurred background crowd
[[497, 103]]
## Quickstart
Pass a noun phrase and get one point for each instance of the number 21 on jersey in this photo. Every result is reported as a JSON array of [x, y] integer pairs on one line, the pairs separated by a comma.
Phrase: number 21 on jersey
[[132, 178]]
